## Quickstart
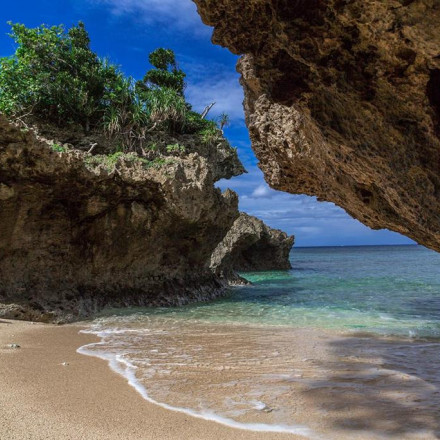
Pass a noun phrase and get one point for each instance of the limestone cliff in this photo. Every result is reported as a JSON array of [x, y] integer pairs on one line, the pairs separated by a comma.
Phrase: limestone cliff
[[80, 232], [342, 101], [77, 235], [250, 245]]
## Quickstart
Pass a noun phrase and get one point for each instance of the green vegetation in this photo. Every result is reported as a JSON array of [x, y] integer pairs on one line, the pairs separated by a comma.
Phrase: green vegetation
[[54, 77], [165, 75], [58, 148], [195, 124], [223, 121], [108, 162], [210, 135], [166, 109], [176, 148]]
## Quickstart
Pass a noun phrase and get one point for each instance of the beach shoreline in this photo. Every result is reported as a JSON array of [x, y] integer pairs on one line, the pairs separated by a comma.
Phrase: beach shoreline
[[51, 391], [83, 399]]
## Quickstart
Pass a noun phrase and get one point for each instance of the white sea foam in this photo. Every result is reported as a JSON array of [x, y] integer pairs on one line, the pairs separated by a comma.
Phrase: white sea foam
[[252, 370], [259, 405], [119, 364]]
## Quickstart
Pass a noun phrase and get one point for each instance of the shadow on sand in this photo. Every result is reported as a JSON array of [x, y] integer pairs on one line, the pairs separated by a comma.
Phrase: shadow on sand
[[380, 386]]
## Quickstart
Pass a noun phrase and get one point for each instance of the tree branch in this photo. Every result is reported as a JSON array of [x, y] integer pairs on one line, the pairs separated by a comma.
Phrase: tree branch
[[207, 110]]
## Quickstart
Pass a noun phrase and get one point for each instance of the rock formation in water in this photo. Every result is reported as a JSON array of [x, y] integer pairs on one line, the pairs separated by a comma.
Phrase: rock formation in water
[[250, 245], [76, 236], [80, 232], [342, 101]]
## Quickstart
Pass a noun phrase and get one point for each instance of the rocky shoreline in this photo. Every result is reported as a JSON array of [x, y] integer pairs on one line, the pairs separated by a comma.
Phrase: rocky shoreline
[[250, 245], [78, 236]]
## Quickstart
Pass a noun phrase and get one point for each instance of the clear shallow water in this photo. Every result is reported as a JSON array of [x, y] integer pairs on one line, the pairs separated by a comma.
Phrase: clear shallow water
[[381, 289], [390, 290], [281, 355]]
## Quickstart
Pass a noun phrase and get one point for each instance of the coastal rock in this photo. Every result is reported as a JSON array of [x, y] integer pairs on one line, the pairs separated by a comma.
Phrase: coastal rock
[[77, 236], [342, 101], [220, 157], [26, 312], [251, 245]]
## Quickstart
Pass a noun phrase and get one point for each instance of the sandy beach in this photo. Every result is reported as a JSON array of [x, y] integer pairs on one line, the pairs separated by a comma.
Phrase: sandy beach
[[42, 399], [49, 391]]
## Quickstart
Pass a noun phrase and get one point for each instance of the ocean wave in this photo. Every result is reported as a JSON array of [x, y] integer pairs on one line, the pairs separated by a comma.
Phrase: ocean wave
[[125, 368]]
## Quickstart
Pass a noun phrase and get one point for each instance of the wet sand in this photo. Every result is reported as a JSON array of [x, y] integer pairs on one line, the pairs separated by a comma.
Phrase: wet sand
[[42, 399], [350, 387], [326, 384]]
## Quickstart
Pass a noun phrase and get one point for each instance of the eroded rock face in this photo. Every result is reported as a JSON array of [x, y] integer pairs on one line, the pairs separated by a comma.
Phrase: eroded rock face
[[250, 245], [74, 239], [342, 101], [220, 157]]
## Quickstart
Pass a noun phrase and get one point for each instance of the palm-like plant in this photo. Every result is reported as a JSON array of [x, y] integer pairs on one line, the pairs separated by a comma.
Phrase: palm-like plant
[[223, 121], [166, 107]]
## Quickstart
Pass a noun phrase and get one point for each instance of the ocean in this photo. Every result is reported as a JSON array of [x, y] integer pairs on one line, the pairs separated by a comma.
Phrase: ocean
[[346, 345]]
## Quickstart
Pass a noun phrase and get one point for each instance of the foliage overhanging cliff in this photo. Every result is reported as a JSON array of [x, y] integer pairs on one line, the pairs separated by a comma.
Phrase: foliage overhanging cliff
[[342, 101], [77, 236], [107, 193]]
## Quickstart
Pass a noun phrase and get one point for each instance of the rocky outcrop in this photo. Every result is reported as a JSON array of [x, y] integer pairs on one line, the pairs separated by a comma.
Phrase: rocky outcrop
[[250, 245], [77, 235], [220, 157], [82, 232], [342, 101]]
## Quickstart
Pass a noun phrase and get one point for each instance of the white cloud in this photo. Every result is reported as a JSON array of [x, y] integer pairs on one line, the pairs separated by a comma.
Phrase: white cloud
[[223, 89], [311, 230], [313, 222], [179, 14], [262, 192]]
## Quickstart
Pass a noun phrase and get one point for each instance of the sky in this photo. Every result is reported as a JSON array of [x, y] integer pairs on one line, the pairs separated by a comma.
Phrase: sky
[[126, 31]]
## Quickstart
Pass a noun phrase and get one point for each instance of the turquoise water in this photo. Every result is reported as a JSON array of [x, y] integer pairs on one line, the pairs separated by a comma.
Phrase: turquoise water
[[345, 345], [381, 289]]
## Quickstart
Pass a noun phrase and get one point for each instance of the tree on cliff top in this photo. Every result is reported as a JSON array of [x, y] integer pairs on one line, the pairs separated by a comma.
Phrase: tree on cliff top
[[55, 77], [165, 74]]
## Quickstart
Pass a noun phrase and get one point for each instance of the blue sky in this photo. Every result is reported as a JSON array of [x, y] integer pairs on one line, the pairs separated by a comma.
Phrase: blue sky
[[126, 31]]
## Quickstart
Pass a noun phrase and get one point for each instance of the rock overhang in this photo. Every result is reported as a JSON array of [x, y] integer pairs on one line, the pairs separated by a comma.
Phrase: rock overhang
[[342, 102]]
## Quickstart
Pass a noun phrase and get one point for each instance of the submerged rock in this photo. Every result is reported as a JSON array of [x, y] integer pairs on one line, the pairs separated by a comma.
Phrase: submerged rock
[[342, 101], [250, 245]]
